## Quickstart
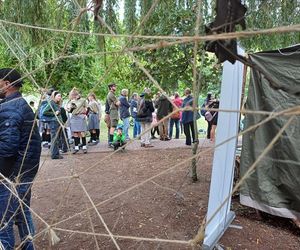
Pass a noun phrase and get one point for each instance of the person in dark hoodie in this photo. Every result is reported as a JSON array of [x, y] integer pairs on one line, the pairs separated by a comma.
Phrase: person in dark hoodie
[[20, 150], [164, 107], [144, 116]]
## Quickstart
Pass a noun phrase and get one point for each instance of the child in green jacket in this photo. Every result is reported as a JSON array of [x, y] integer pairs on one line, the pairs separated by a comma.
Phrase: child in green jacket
[[119, 139]]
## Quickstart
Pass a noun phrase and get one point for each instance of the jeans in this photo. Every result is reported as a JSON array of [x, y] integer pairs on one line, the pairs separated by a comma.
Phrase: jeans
[[126, 126], [172, 122], [11, 210], [188, 128], [136, 129], [8, 206], [54, 126], [23, 218]]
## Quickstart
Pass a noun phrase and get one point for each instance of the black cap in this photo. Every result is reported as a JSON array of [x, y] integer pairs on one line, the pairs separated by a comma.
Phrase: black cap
[[11, 75]]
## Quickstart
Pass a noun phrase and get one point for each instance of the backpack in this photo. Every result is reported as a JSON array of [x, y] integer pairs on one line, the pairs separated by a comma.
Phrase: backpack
[[42, 109]]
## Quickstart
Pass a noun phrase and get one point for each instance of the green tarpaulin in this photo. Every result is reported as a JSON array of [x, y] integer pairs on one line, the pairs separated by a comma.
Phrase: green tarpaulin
[[274, 187]]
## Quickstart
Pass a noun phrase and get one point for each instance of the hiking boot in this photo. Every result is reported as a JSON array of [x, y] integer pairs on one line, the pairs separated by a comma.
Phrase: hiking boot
[[57, 157]]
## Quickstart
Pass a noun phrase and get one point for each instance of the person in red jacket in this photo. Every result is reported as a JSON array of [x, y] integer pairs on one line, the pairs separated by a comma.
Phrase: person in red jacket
[[175, 118]]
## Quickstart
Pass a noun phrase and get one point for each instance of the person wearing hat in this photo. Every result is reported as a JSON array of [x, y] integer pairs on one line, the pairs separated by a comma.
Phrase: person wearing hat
[[113, 104], [119, 139], [20, 150]]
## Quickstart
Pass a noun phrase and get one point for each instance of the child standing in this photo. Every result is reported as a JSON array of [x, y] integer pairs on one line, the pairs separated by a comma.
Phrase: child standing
[[77, 107], [93, 117]]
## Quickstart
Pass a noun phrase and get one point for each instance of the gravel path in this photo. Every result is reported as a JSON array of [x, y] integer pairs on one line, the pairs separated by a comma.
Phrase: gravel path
[[135, 145]]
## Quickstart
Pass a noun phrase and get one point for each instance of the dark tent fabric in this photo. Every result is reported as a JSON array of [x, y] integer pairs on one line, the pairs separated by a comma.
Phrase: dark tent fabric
[[274, 187]]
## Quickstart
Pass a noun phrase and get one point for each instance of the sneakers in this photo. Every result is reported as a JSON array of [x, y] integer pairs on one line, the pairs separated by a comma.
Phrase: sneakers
[[75, 151], [148, 146]]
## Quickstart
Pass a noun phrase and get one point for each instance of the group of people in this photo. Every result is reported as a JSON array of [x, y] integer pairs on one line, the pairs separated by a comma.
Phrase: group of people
[[150, 114], [79, 115]]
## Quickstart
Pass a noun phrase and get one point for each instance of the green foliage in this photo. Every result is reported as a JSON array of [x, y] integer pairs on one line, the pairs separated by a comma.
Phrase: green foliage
[[264, 14], [130, 18], [172, 67]]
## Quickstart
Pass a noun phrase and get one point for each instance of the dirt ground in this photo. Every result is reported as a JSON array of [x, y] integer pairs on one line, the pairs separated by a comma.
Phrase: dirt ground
[[169, 206]]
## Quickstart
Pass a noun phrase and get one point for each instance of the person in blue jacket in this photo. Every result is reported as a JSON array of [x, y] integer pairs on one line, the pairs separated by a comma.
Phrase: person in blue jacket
[[133, 112], [124, 111], [20, 150], [187, 118]]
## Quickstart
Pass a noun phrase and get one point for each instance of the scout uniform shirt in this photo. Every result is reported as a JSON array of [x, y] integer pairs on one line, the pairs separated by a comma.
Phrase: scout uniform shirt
[[80, 105], [113, 108]]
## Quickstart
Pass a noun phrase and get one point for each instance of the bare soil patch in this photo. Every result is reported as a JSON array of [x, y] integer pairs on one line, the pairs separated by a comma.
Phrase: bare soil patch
[[170, 206]]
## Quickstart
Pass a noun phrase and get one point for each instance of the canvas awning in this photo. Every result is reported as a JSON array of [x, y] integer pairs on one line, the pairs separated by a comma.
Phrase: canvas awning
[[274, 187]]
